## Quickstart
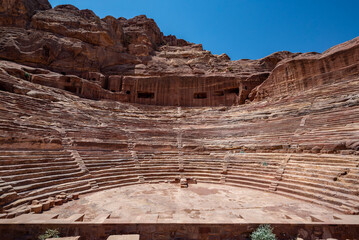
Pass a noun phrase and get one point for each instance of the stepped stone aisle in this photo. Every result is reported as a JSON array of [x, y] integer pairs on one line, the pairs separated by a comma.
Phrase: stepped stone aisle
[[36, 175]]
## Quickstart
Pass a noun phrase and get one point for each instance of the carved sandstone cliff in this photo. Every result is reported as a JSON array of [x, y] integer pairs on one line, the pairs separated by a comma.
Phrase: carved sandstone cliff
[[129, 57], [132, 61], [306, 71]]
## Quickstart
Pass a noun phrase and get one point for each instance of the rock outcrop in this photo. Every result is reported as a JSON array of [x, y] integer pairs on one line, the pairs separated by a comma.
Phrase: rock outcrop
[[17, 13], [306, 71], [133, 57], [137, 63]]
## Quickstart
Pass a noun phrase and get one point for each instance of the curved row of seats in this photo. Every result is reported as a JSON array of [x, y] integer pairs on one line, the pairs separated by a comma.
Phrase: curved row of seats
[[267, 146], [329, 180], [40, 174]]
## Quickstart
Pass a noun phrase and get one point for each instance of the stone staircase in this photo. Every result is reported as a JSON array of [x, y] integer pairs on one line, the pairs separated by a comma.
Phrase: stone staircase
[[252, 170], [110, 169], [279, 173], [40, 174], [131, 150], [7, 193], [322, 179], [67, 143]]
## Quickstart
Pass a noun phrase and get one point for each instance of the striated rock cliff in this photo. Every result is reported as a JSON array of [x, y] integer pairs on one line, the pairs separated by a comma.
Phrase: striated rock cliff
[[17, 13], [131, 57], [306, 71], [131, 60]]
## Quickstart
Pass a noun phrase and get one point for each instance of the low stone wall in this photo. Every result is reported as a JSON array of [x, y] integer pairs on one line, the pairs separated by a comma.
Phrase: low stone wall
[[89, 231]]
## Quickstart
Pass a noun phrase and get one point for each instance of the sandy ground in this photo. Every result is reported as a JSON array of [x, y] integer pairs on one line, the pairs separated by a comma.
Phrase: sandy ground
[[204, 202]]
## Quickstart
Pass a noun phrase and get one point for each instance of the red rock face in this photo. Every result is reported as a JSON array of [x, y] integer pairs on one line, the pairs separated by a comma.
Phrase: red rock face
[[306, 71], [17, 13], [134, 60], [70, 41]]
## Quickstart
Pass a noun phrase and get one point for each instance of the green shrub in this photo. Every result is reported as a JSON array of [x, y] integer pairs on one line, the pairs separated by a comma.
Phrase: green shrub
[[27, 76], [263, 232], [50, 233], [265, 164]]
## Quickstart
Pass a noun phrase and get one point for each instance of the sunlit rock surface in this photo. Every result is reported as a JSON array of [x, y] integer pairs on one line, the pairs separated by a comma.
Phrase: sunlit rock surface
[[70, 88]]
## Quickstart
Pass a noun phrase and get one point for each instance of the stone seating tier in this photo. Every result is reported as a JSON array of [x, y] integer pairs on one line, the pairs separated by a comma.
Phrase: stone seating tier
[[303, 145]]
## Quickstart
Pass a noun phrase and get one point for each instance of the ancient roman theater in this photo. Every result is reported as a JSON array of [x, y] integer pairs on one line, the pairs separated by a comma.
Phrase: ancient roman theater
[[108, 128]]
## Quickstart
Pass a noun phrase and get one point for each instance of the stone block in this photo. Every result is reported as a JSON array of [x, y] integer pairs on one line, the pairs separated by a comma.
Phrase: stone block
[[36, 208], [124, 237], [52, 203], [75, 196], [65, 238], [58, 202], [45, 206]]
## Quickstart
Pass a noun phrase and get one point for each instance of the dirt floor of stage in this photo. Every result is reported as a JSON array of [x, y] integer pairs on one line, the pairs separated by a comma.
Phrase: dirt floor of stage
[[201, 202]]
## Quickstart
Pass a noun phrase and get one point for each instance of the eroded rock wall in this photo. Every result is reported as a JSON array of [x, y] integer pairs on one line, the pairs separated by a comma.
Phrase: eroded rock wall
[[76, 42], [307, 71], [132, 60]]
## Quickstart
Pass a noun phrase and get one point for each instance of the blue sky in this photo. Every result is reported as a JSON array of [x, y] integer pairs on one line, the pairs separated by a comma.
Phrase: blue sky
[[243, 28]]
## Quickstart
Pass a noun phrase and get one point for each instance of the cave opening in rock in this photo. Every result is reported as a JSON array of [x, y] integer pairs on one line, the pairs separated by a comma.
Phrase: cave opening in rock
[[232, 90], [201, 95], [70, 89], [6, 87], [218, 93], [145, 95]]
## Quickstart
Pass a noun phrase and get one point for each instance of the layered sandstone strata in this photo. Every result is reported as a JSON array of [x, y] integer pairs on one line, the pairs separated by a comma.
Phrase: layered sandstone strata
[[134, 60], [68, 81], [129, 57], [303, 146], [306, 71]]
